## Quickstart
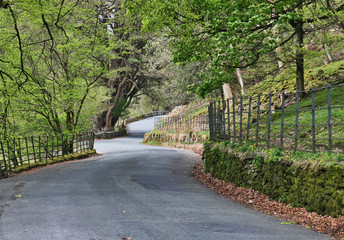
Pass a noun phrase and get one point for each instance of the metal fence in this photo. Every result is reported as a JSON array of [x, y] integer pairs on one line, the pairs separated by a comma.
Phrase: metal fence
[[29, 150], [305, 120], [196, 123]]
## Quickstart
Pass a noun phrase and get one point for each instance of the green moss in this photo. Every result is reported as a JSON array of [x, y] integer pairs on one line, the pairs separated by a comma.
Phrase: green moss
[[186, 137], [318, 188], [69, 157]]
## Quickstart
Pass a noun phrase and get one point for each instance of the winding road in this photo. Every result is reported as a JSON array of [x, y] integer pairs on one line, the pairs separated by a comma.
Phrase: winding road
[[132, 191]]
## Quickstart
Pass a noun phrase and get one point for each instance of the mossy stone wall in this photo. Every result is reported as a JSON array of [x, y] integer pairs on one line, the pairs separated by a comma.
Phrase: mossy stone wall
[[318, 189], [187, 137]]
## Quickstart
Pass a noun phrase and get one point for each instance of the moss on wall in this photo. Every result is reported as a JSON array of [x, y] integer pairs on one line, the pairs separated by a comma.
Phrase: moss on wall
[[315, 187], [186, 137], [69, 157]]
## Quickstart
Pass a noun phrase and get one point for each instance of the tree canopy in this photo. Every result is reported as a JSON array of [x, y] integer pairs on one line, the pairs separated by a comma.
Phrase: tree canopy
[[234, 34], [52, 56]]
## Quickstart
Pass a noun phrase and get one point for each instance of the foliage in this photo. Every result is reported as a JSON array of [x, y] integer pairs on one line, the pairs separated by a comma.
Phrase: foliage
[[234, 34], [52, 55], [129, 70], [172, 89], [297, 184]]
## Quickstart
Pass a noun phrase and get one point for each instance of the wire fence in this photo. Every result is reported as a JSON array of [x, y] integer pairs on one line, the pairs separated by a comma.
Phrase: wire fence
[[196, 123], [30, 150], [305, 120]]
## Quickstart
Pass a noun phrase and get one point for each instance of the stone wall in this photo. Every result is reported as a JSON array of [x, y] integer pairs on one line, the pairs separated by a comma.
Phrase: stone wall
[[317, 188], [112, 134], [186, 137]]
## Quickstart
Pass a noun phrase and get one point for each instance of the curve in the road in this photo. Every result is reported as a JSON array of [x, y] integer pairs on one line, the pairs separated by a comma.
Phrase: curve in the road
[[132, 191]]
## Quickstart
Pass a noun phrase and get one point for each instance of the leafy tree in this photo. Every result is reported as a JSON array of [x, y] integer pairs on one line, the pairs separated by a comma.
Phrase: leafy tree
[[53, 53], [233, 34], [127, 71]]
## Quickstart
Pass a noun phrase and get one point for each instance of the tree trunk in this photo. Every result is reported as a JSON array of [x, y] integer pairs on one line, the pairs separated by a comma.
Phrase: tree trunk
[[230, 92], [300, 81], [299, 58], [227, 91], [239, 76], [108, 117], [327, 52]]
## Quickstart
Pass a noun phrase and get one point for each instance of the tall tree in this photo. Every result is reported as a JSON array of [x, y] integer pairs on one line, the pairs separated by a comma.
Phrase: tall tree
[[55, 52], [233, 34], [127, 71]]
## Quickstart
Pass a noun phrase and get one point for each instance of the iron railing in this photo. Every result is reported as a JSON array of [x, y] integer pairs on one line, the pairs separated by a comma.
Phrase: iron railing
[[305, 120], [196, 123], [30, 150]]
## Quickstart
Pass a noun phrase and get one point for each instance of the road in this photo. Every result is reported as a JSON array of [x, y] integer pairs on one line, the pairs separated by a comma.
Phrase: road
[[132, 191]]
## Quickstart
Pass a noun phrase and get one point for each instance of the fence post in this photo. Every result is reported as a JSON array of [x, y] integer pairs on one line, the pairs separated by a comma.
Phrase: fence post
[[83, 142], [249, 118], [219, 120], [214, 121], [52, 147], [258, 116], [27, 151], [20, 152], [223, 118], [297, 118], [229, 120], [234, 130], [33, 149], [269, 121], [313, 119], [92, 141], [15, 161], [47, 149], [282, 119], [9, 156], [210, 113], [329, 118], [39, 149], [4, 157], [80, 139], [240, 135]]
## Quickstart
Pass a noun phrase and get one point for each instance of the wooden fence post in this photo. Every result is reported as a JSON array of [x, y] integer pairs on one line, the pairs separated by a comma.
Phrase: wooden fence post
[[234, 128], [4, 158], [249, 118], [20, 152], [27, 151], [240, 134], [15, 161], [210, 113], [9, 156], [39, 149], [313, 119], [269, 121], [282, 119], [229, 120], [47, 149], [329, 118], [297, 118], [33, 149], [258, 116]]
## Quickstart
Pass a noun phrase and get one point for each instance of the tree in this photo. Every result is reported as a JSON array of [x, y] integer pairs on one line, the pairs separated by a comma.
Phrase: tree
[[127, 71], [233, 34], [53, 53]]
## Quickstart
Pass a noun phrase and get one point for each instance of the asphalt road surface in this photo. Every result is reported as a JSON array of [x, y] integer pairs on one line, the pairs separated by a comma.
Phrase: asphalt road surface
[[132, 191]]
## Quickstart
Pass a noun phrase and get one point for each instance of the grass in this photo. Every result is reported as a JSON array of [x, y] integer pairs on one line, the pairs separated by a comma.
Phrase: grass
[[300, 158], [334, 73]]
